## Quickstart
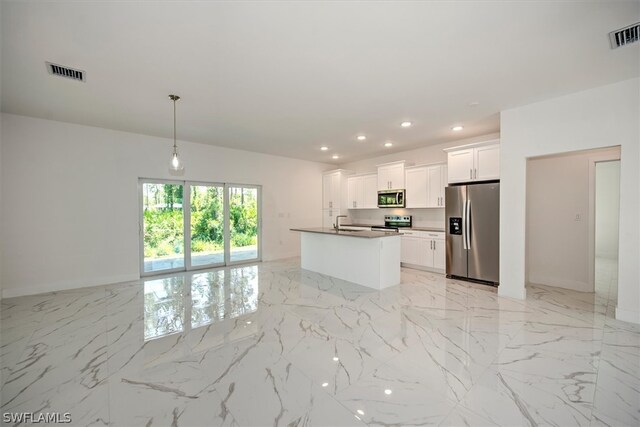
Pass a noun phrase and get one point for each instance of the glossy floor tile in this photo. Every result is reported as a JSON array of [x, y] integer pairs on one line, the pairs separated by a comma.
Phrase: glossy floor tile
[[273, 345]]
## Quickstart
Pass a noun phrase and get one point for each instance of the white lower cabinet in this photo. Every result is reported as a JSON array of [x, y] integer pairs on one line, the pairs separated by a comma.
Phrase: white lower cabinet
[[423, 249], [439, 253]]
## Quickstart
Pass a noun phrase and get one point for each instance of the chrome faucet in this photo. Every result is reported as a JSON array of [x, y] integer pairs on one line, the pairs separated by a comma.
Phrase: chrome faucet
[[337, 224]]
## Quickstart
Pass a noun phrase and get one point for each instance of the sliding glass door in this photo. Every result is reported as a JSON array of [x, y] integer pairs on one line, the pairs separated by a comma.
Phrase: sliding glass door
[[243, 221], [162, 226], [207, 225], [206, 229]]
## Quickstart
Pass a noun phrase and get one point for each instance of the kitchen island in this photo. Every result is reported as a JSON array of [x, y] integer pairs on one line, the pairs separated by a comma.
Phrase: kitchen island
[[368, 258]]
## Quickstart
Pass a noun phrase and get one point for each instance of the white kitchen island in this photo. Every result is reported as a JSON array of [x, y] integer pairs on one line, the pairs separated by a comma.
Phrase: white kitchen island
[[368, 258]]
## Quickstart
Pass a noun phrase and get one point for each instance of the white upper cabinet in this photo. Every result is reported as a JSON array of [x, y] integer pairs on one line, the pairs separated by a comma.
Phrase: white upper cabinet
[[436, 181], [460, 165], [334, 189], [480, 162], [391, 176], [425, 186], [362, 192], [487, 161], [417, 190], [370, 187]]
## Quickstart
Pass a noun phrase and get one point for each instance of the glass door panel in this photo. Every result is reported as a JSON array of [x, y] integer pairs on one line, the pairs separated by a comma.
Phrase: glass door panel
[[243, 223], [207, 225], [163, 227]]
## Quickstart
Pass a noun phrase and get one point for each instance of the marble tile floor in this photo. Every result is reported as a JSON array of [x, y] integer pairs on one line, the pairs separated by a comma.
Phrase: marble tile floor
[[273, 345]]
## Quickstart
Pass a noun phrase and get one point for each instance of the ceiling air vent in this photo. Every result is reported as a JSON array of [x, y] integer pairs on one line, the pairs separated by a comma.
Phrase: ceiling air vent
[[62, 71], [625, 36]]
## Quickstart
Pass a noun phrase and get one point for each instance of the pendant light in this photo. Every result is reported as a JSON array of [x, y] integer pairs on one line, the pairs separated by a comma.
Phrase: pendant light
[[176, 167]]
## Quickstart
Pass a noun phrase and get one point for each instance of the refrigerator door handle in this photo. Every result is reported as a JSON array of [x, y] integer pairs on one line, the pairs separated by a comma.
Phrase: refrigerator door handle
[[464, 225], [467, 233]]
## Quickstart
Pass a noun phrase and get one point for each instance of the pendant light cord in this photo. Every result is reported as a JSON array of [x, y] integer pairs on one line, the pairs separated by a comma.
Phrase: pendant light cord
[[175, 145]]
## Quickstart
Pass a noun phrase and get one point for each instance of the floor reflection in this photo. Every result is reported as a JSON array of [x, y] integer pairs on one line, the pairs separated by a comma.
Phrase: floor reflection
[[202, 298]]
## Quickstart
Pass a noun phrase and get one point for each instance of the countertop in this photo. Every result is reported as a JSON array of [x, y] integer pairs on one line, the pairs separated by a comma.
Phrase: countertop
[[360, 233], [434, 229]]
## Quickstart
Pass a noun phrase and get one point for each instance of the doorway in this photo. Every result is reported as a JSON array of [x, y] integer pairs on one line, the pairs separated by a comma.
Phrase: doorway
[[561, 217], [193, 225], [606, 229]]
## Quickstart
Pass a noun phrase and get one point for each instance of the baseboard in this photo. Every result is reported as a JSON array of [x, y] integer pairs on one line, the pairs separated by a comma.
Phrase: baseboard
[[630, 316], [66, 285], [506, 292], [282, 256], [574, 285], [421, 267]]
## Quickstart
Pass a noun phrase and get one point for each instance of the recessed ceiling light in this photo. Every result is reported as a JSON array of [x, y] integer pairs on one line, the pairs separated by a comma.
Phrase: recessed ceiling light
[[457, 128], [388, 144], [324, 148], [335, 359], [361, 137], [335, 156], [406, 124], [388, 391], [360, 411], [325, 384]]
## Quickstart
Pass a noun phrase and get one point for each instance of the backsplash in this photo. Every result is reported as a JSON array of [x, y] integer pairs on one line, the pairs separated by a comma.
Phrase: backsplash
[[433, 217]]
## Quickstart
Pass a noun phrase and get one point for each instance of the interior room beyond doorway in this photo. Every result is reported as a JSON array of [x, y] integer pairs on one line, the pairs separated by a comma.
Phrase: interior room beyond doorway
[[570, 226]]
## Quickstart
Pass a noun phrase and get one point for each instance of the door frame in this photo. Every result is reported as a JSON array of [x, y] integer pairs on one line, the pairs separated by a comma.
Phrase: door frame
[[608, 156]]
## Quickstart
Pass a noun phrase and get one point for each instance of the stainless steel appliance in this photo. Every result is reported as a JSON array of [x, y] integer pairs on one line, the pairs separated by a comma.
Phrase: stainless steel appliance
[[473, 231], [393, 223], [391, 199]]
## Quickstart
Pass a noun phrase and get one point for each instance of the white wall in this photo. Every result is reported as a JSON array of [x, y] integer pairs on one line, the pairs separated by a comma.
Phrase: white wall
[[433, 217], [558, 244], [599, 117], [607, 209], [70, 211]]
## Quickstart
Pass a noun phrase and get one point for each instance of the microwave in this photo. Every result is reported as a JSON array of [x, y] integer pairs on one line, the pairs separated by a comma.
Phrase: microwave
[[391, 199]]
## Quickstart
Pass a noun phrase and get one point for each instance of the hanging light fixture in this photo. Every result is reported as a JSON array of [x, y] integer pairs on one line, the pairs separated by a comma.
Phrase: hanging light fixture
[[176, 166]]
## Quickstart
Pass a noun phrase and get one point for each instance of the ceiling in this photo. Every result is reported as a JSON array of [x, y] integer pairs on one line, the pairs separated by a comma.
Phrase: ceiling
[[288, 77]]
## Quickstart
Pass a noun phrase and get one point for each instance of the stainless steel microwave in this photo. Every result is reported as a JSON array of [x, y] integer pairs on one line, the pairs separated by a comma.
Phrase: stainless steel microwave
[[391, 199]]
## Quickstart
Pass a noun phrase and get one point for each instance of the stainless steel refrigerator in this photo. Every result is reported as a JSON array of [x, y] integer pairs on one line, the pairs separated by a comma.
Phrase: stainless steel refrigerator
[[473, 231]]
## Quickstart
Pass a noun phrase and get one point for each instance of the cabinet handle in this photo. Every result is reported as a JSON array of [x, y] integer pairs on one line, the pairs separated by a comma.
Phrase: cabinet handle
[[475, 173], [470, 173]]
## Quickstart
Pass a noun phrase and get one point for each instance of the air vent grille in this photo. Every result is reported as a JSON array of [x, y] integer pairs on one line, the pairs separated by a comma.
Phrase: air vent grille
[[68, 72], [625, 36]]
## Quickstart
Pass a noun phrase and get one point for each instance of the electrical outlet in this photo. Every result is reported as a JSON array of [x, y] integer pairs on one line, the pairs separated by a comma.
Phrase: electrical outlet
[[578, 217]]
